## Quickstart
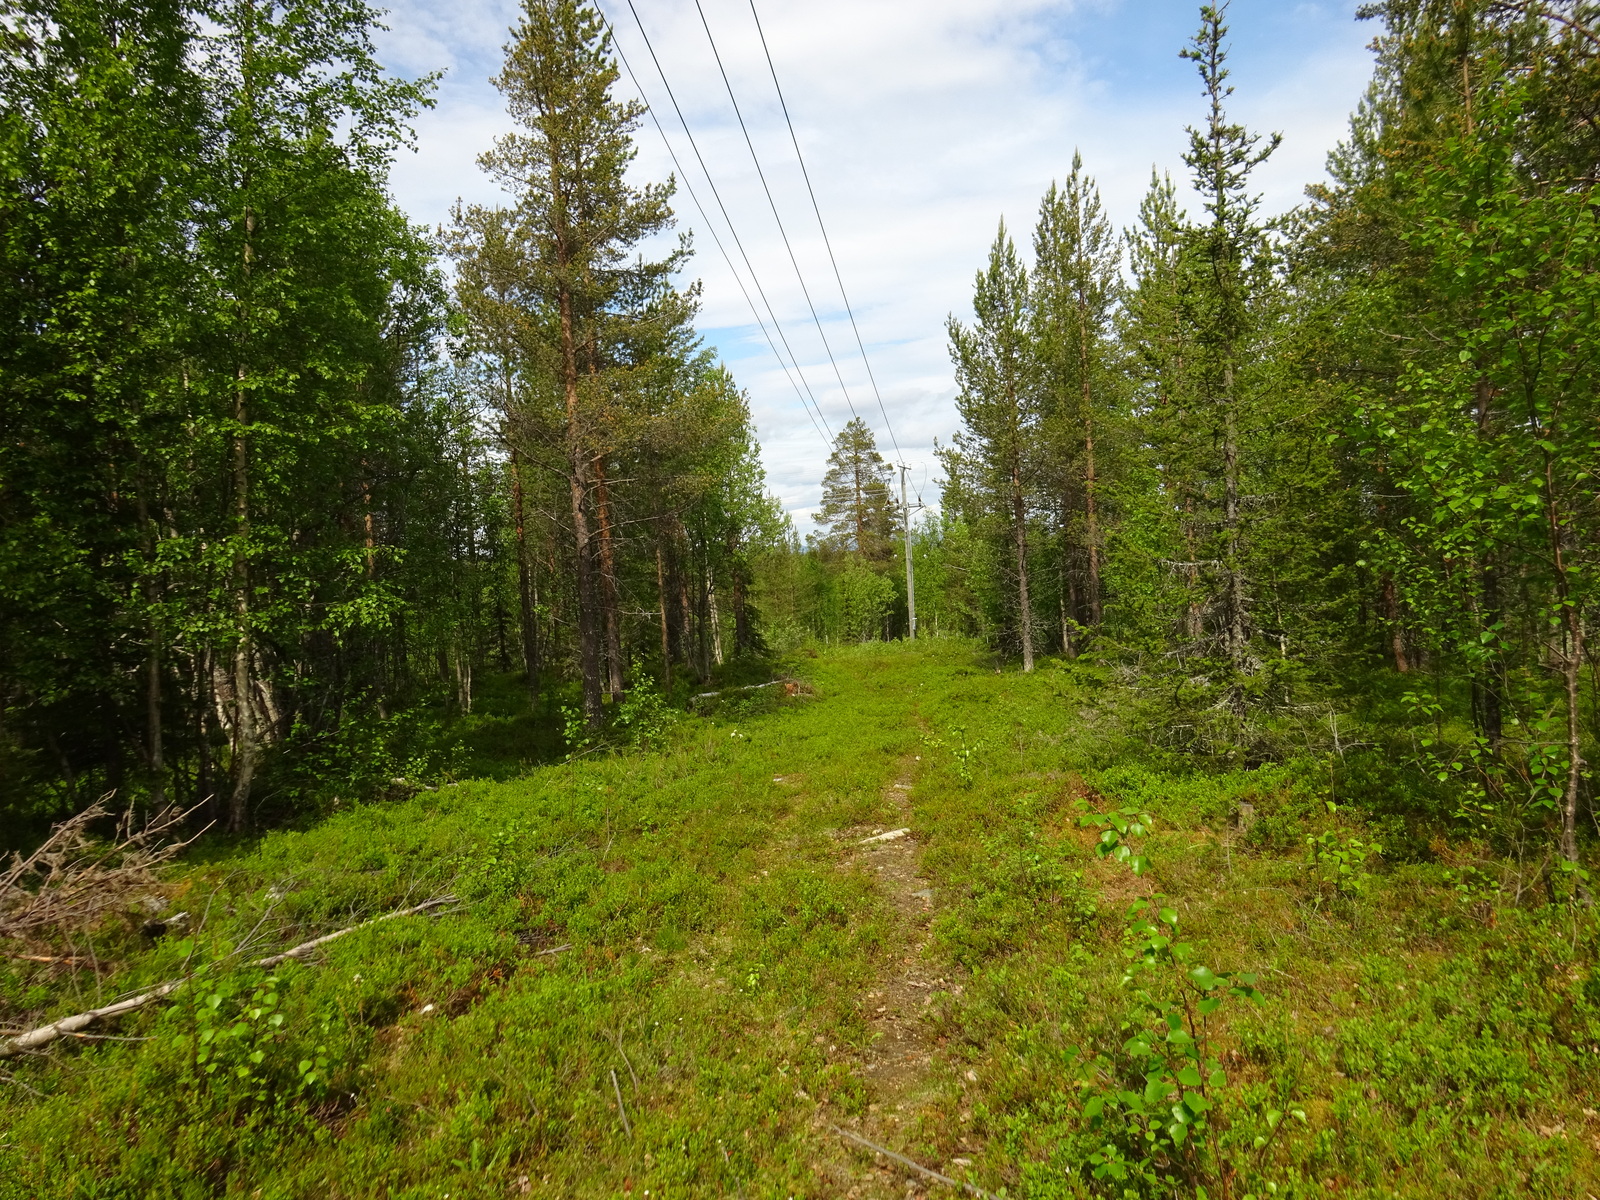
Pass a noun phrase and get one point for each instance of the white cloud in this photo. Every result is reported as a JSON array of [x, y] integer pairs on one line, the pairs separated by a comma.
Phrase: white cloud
[[922, 123]]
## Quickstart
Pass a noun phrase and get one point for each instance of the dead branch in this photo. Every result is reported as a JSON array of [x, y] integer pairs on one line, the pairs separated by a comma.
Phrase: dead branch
[[925, 1172], [621, 1109], [305, 948], [65, 960], [72, 881], [67, 1026], [791, 687]]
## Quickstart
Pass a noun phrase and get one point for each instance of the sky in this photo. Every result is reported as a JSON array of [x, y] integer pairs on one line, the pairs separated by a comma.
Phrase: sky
[[923, 124]]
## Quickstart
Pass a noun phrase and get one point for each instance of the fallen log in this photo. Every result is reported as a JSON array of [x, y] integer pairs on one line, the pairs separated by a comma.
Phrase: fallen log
[[45, 1034]]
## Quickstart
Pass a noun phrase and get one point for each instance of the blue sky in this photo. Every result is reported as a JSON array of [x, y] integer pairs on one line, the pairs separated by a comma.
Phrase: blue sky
[[923, 122]]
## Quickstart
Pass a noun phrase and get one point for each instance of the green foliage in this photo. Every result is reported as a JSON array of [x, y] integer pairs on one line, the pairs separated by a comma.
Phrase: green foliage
[[644, 716], [719, 921]]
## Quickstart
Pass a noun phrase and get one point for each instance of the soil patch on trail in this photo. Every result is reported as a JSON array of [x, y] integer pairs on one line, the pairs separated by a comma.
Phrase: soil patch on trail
[[896, 1064]]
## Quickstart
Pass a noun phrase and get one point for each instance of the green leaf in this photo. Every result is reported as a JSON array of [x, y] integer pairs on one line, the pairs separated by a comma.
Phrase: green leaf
[[1204, 977]]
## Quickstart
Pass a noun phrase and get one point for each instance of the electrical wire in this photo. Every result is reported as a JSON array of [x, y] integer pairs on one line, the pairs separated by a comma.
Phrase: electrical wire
[[823, 430], [733, 231], [810, 191], [762, 175]]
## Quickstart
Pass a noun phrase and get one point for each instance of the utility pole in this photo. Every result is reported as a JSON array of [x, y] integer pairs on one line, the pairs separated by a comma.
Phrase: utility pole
[[911, 579]]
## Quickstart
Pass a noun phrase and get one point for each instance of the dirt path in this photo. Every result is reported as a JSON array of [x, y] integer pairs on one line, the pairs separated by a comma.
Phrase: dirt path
[[900, 1051]]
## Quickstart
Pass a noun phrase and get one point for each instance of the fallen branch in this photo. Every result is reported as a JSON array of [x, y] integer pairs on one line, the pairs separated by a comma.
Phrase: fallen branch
[[305, 948], [617, 1088], [68, 1026], [925, 1172], [886, 837], [46, 1034], [63, 960], [791, 686]]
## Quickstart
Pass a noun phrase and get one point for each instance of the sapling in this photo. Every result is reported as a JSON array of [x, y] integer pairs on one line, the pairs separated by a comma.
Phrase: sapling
[[1180, 1128]]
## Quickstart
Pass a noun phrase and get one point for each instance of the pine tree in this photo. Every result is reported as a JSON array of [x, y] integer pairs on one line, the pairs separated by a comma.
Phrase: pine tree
[[1075, 286], [578, 219], [858, 508]]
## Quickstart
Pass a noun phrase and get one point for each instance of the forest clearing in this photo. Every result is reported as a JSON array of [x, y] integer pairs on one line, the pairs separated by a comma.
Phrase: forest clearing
[[742, 970]]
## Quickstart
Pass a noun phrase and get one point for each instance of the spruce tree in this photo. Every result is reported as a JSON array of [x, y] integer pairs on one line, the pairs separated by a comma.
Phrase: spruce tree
[[1226, 271], [994, 458]]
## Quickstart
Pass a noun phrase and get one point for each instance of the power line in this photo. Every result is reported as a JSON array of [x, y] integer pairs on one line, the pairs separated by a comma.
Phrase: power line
[[823, 430], [774, 206], [810, 191]]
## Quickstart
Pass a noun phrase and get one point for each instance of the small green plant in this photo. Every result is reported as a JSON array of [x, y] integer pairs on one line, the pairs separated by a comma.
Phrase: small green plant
[[965, 754], [497, 869], [575, 731], [641, 719], [235, 1033], [644, 716], [1343, 857], [1116, 827]]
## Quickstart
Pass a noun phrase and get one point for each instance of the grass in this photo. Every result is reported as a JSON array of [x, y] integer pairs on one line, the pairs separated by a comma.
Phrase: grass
[[733, 949]]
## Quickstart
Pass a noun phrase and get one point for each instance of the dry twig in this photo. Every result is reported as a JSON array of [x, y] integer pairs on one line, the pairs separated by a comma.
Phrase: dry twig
[[72, 881], [925, 1172]]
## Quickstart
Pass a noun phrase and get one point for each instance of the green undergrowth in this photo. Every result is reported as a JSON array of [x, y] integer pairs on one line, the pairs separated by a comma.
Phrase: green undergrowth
[[678, 927]]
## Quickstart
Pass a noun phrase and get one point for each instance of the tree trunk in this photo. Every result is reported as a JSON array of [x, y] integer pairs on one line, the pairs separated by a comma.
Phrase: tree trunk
[[714, 619], [154, 755], [369, 533], [743, 639], [1571, 665], [243, 759], [703, 620], [577, 493], [685, 612], [1237, 626], [204, 700], [609, 592], [1494, 667], [1391, 615], [1193, 624], [1067, 648], [1019, 518], [661, 600], [1091, 513], [529, 618]]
